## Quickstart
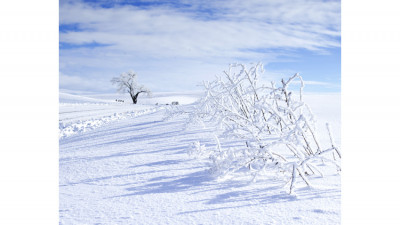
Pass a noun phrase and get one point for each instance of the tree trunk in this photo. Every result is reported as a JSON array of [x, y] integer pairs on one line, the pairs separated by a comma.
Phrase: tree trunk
[[135, 97], [134, 101]]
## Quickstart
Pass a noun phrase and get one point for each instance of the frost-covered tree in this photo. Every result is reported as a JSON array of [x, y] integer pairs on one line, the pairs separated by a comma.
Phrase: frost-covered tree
[[273, 127], [126, 82]]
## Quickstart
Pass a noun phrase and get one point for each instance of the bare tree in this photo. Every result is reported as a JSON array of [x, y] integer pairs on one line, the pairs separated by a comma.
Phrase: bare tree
[[126, 82]]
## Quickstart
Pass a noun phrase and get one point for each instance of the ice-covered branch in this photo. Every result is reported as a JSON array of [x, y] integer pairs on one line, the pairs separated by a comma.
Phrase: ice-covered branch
[[275, 126]]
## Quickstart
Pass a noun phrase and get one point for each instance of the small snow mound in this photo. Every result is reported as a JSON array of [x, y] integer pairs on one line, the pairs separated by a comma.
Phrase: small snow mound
[[68, 129]]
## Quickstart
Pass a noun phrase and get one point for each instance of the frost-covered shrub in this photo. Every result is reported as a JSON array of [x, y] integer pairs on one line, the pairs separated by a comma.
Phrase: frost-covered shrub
[[197, 149], [274, 126]]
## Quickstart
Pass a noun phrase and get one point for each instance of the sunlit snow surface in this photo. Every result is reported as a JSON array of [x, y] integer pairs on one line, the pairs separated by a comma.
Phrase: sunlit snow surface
[[123, 164]]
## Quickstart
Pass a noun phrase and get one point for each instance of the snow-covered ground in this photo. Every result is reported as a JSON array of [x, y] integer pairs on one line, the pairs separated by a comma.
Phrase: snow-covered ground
[[124, 164], [82, 113]]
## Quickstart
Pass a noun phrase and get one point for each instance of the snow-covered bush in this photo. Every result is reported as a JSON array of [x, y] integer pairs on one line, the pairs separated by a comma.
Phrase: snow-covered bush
[[197, 149], [273, 126]]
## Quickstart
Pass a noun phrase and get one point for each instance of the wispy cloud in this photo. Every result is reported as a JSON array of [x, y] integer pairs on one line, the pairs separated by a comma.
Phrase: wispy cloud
[[313, 82], [89, 84], [208, 33]]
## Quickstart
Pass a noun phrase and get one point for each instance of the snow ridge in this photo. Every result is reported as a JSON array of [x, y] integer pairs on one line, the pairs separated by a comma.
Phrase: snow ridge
[[73, 128]]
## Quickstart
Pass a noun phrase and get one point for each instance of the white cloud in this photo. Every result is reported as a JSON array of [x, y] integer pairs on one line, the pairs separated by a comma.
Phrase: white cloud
[[212, 33], [170, 32], [313, 82], [83, 83], [277, 76]]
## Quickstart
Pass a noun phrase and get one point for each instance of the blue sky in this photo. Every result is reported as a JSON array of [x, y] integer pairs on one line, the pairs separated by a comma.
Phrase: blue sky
[[174, 45]]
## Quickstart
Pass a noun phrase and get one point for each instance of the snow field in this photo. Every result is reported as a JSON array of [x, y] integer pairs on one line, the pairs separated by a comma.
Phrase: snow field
[[82, 113], [136, 170], [75, 127]]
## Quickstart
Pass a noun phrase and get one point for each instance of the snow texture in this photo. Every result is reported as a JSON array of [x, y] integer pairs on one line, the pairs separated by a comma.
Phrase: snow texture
[[137, 169]]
